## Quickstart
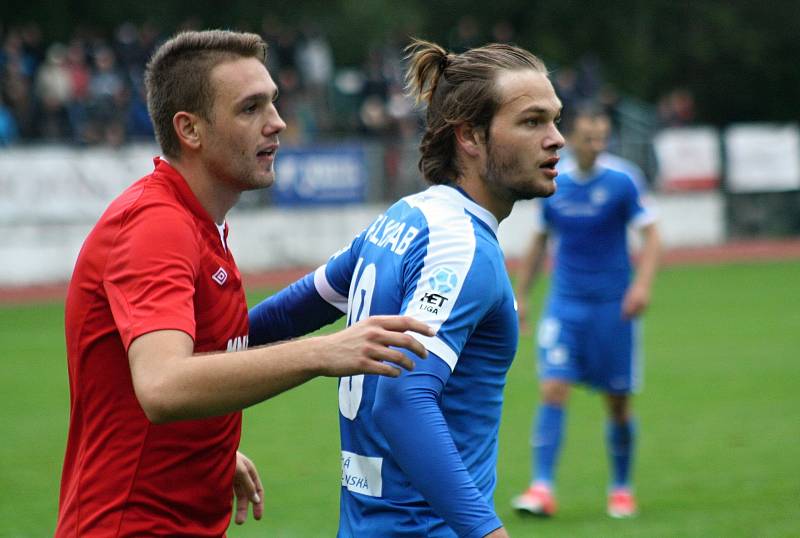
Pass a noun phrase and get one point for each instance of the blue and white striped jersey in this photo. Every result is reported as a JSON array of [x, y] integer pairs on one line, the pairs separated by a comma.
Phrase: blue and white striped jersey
[[412, 467]]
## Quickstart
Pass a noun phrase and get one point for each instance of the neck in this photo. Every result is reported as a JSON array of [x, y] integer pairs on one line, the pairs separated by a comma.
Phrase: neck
[[586, 167], [485, 197], [216, 196]]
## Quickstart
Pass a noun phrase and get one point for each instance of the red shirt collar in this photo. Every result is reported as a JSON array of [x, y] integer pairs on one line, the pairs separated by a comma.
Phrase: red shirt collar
[[165, 171]]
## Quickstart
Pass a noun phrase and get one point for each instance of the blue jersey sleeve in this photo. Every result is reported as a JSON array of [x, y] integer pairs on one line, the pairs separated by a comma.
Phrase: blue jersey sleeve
[[428, 455], [639, 211], [317, 299], [294, 311], [635, 209]]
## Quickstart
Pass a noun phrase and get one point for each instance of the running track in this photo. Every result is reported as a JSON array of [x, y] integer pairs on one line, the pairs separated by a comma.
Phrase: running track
[[737, 251]]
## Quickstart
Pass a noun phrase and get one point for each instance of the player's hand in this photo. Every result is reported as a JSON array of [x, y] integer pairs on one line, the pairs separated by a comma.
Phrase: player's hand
[[362, 348], [247, 488], [636, 300]]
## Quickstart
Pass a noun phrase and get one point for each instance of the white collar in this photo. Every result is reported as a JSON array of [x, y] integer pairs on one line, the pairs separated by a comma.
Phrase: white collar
[[457, 197], [221, 228]]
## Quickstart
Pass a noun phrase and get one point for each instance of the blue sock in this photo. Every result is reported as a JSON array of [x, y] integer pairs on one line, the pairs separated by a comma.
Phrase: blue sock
[[621, 440], [547, 432]]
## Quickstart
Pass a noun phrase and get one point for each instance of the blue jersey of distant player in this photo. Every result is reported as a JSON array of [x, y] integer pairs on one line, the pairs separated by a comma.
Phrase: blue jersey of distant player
[[419, 451], [589, 217], [583, 336]]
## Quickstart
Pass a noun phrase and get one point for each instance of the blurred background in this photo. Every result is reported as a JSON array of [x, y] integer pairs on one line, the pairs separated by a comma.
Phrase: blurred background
[[703, 97]]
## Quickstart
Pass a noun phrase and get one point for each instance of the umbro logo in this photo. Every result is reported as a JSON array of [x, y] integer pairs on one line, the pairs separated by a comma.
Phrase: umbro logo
[[220, 277]]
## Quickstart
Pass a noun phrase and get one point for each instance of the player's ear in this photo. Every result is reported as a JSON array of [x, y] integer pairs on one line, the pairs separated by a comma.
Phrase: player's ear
[[470, 139], [186, 127]]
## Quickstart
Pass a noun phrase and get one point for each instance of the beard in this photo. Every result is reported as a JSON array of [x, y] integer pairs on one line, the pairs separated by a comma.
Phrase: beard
[[506, 179], [236, 170]]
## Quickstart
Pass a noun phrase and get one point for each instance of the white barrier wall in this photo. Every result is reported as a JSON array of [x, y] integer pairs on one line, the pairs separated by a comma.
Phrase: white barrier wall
[[284, 238], [49, 201]]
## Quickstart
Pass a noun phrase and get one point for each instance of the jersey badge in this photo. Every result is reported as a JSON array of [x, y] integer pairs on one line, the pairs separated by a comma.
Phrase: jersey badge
[[220, 276], [599, 196], [443, 280]]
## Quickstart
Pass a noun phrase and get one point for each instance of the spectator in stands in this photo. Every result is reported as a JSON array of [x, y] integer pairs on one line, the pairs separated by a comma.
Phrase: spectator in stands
[[466, 35], [18, 94], [676, 108], [107, 97], [53, 90], [8, 125]]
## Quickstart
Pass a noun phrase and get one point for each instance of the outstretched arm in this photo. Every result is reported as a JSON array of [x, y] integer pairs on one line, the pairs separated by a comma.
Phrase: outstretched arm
[[173, 384]]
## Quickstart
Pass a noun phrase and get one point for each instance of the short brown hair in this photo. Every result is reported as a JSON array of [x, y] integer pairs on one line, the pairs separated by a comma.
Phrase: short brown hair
[[457, 88], [177, 77]]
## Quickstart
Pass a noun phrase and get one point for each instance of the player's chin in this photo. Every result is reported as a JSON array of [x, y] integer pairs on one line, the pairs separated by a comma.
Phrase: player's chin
[[549, 187], [266, 176], [543, 187], [261, 179]]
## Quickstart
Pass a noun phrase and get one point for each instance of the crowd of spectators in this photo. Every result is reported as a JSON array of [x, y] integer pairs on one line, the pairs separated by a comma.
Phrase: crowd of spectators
[[89, 90]]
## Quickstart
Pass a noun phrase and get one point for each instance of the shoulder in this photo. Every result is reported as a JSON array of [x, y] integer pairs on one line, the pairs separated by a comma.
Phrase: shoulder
[[488, 260], [159, 199], [443, 222], [625, 167], [151, 212], [620, 182]]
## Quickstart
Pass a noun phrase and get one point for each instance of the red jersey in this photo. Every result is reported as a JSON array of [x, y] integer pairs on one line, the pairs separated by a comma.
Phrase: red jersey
[[155, 260]]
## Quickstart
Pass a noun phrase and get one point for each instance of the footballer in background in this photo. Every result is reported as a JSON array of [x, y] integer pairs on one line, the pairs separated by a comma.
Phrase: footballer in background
[[588, 332]]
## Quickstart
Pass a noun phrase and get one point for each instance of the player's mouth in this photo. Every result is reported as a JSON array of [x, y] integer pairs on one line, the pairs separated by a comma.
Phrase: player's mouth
[[267, 153], [548, 167]]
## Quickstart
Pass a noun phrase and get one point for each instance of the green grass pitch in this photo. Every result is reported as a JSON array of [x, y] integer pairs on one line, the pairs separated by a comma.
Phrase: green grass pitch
[[719, 423]]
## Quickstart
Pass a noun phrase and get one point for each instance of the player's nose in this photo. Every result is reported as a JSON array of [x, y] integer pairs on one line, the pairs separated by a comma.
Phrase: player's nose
[[274, 123]]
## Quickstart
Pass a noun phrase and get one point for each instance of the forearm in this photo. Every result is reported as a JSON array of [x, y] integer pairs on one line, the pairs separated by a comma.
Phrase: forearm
[[173, 384], [649, 257], [200, 386], [430, 458], [531, 264]]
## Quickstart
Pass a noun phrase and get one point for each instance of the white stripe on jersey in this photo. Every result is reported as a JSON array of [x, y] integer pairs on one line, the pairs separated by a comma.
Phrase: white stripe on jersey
[[438, 347], [451, 245], [327, 292]]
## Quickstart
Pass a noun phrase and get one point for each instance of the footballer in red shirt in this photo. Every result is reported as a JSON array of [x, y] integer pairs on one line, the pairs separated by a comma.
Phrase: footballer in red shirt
[[155, 260], [156, 319]]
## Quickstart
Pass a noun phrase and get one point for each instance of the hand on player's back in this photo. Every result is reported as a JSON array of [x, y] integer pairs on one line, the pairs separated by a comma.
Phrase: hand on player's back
[[362, 348]]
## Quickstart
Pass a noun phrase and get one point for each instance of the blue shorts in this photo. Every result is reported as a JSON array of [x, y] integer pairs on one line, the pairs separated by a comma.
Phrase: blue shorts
[[589, 343]]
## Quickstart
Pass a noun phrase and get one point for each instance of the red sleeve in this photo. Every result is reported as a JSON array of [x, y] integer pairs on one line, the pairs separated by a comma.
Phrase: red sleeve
[[150, 275]]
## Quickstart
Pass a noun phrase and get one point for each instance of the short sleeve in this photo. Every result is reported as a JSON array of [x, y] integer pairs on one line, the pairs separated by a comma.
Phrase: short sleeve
[[639, 208], [150, 275], [446, 286]]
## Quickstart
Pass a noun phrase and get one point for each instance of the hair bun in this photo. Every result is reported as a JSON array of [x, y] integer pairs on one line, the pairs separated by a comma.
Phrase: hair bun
[[444, 61]]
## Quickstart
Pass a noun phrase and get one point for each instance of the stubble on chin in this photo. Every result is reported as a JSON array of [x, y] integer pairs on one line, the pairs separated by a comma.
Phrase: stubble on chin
[[502, 176]]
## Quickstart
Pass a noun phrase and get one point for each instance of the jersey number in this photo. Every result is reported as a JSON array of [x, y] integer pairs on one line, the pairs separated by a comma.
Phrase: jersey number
[[351, 388]]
